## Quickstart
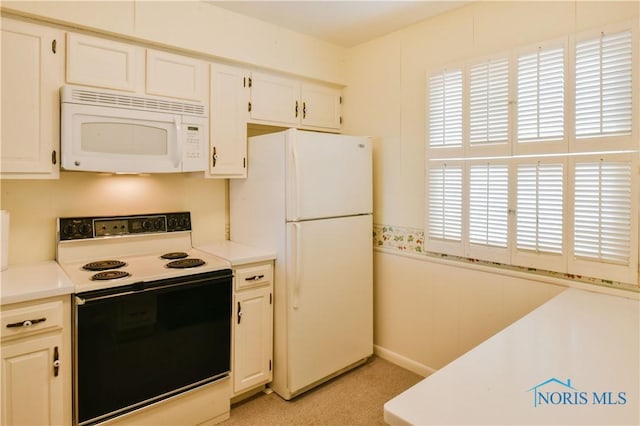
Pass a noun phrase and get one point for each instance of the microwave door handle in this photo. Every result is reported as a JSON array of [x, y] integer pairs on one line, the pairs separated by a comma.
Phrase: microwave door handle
[[177, 120]]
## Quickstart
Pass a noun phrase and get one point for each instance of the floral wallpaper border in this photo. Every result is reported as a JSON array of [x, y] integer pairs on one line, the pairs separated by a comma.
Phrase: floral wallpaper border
[[399, 238], [411, 240]]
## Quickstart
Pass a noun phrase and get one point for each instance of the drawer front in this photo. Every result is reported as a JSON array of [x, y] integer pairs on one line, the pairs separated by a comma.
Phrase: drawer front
[[253, 276], [22, 321]]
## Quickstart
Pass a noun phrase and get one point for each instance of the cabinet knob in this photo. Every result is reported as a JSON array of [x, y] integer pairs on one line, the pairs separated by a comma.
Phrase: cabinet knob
[[56, 361]]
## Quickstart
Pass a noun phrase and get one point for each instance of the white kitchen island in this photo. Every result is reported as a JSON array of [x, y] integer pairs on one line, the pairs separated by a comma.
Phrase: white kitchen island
[[574, 360]]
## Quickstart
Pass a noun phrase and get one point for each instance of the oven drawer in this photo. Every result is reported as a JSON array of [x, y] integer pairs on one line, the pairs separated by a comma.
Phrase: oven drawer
[[253, 276], [25, 319]]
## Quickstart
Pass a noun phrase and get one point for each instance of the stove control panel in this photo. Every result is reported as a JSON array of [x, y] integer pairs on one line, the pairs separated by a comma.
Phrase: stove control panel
[[78, 228]]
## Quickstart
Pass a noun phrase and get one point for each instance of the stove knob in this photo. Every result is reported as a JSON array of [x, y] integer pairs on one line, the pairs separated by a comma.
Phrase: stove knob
[[85, 230], [158, 225], [173, 222], [146, 225], [69, 229]]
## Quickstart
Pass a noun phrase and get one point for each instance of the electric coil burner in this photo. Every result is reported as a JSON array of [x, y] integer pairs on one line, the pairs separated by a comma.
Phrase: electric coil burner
[[103, 265], [185, 263], [109, 275], [141, 289], [174, 255]]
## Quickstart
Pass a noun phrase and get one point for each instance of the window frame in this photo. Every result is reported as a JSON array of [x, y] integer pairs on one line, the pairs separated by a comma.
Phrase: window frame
[[566, 150]]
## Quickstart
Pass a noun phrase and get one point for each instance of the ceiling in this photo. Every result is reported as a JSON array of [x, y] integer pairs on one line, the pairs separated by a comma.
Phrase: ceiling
[[342, 22]]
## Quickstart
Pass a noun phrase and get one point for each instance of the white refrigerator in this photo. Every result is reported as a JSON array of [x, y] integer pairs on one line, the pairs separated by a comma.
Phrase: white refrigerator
[[308, 198]]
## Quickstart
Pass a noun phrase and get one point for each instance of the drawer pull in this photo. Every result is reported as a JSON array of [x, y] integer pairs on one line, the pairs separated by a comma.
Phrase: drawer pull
[[254, 278], [26, 323]]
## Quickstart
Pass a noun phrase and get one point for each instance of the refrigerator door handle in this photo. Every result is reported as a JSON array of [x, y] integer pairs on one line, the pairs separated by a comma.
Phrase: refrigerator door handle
[[297, 250], [295, 197]]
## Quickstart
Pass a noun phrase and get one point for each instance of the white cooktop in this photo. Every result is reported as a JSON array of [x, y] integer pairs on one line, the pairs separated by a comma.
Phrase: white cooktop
[[574, 360], [141, 268], [141, 254]]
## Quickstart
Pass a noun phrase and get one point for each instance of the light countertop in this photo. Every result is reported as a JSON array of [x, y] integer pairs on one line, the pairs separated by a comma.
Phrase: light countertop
[[237, 254], [574, 360], [27, 282]]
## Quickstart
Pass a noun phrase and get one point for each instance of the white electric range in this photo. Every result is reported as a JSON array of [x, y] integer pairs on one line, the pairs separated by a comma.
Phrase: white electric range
[[151, 314]]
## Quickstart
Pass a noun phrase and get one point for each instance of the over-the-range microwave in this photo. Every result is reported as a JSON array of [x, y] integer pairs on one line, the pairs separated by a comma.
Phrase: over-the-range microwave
[[120, 132]]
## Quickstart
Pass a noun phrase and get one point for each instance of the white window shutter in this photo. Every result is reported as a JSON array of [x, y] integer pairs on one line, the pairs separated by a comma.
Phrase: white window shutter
[[444, 112], [444, 208], [539, 227], [605, 218], [541, 100], [488, 211], [603, 86], [489, 104]]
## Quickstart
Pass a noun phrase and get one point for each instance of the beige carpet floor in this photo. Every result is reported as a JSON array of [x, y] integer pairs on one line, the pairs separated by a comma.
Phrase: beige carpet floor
[[354, 398]]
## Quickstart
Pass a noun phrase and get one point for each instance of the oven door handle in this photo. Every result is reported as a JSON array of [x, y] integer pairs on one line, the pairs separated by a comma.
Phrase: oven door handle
[[140, 288]]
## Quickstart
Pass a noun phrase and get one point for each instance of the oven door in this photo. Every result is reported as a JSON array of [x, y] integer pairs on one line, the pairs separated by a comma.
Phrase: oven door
[[137, 344]]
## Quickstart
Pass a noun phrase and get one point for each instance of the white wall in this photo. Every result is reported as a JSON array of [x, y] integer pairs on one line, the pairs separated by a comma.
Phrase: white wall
[[34, 206], [428, 312]]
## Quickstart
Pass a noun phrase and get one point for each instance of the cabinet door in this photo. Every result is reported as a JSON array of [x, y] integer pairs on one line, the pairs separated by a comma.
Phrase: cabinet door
[[275, 99], [32, 73], [320, 106], [252, 338], [32, 394], [176, 76], [104, 63], [228, 121]]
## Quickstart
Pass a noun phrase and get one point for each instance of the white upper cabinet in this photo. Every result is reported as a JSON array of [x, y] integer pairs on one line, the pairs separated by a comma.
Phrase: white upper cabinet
[[32, 73], [286, 101], [274, 99], [98, 62], [321, 106], [176, 76], [228, 121]]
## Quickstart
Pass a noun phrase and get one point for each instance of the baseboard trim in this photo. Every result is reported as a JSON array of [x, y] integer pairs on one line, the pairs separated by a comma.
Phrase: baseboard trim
[[403, 361]]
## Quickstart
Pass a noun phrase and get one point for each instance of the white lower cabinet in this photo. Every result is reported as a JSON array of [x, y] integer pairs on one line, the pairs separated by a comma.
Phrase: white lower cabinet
[[36, 363], [253, 327]]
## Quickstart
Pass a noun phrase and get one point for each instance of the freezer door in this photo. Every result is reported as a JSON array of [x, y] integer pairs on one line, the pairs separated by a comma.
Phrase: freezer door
[[330, 297], [328, 175]]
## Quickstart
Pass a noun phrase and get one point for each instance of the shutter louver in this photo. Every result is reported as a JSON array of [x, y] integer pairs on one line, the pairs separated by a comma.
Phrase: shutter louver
[[603, 86], [488, 204], [541, 95], [602, 218], [445, 109], [539, 224], [445, 203], [489, 102]]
